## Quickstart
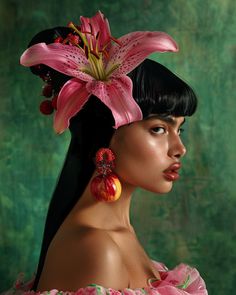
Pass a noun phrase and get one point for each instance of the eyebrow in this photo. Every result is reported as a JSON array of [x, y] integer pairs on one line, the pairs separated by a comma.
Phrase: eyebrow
[[167, 119]]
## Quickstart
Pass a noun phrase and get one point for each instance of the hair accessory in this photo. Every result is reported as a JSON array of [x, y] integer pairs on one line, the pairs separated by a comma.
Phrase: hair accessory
[[106, 186], [50, 104], [98, 64]]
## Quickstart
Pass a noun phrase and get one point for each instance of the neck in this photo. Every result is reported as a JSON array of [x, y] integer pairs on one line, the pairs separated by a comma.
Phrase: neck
[[104, 215]]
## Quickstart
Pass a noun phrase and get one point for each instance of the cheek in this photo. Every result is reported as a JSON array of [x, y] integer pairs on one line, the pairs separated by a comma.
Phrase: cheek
[[139, 160]]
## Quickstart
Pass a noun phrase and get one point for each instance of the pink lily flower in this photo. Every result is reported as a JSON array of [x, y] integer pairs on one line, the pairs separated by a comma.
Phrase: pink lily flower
[[98, 68]]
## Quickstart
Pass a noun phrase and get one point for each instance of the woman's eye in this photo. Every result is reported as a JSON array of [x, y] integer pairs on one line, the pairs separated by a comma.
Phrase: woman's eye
[[159, 130]]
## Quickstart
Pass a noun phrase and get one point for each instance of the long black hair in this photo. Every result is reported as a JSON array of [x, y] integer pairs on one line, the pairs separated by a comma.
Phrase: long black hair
[[156, 90]]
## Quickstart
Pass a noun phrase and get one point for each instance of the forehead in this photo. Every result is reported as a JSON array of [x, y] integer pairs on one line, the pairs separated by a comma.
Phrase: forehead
[[172, 120], [137, 126]]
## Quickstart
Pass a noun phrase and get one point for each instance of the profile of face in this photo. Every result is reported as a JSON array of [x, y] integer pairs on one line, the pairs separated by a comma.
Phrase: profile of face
[[148, 153]]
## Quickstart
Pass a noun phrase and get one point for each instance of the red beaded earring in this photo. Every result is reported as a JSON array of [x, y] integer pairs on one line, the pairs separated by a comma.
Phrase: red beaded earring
[[106, 186]]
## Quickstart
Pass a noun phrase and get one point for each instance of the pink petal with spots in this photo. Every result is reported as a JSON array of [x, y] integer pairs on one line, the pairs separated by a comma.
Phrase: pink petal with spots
[[67, 59], [71, 99], [116, 94], [135, 47]]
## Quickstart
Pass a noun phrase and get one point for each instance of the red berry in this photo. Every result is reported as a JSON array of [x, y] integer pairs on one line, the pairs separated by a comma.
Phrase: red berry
[[46, 107], [75, 39], [58, 40], [54, 102], [47, 90]]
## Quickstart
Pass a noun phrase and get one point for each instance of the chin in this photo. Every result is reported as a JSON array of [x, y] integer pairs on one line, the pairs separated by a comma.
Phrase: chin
[[163, 189]]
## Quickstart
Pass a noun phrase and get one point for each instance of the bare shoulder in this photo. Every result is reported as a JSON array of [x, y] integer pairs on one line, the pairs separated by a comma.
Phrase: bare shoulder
[[96, 246], [85, 257]]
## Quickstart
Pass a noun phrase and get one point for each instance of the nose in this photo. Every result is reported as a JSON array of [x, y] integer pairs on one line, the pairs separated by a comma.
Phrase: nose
[[177, 148]]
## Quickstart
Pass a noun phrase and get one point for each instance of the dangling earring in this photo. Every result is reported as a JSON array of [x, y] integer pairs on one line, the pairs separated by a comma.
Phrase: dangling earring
[[106, 186]]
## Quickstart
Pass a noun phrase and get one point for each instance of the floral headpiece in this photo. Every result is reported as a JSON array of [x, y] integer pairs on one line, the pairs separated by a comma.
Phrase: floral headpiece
[[98, 64]]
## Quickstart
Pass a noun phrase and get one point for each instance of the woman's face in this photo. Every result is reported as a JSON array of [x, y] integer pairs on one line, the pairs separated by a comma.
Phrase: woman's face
[[146, 149]]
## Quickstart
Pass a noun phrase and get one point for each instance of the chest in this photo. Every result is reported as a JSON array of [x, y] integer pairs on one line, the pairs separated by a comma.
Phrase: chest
[[137, 262]]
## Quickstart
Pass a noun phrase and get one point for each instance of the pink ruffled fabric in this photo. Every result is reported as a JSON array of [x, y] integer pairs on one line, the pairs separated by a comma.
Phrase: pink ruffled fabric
[[182, 280]]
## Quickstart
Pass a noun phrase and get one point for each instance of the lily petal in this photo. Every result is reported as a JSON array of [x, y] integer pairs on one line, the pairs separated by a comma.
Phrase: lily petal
[[69, 60], [116, 94], [98, 25], [71, 99], [135, 47]]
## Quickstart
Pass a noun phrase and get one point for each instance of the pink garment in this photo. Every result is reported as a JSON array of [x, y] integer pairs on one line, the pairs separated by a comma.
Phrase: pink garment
[[182, 280]]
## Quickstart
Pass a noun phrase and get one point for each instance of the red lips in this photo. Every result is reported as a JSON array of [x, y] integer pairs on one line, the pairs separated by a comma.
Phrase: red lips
[[171, 173]]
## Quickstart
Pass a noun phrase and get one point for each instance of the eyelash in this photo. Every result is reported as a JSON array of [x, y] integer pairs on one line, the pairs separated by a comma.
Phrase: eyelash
[[180, 131], [153, 130]]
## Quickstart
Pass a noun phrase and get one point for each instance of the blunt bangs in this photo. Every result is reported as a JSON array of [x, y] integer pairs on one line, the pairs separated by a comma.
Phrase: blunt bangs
[[158, 91]]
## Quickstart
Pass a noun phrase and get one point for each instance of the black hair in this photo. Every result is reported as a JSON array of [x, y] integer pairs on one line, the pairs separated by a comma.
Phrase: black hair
[[156, 90]]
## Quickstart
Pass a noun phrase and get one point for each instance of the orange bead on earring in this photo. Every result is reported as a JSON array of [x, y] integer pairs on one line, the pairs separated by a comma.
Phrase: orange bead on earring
[[106, 186]]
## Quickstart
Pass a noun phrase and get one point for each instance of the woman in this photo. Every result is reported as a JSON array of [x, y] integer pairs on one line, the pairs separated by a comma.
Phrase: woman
[[89, 244]]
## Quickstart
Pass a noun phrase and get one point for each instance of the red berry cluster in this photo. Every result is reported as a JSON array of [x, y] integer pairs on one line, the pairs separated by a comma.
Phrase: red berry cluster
[[71, 39], [49, 105]]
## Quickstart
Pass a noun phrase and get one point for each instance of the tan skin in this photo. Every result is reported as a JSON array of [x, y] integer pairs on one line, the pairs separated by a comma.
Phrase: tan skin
[[97, 243]]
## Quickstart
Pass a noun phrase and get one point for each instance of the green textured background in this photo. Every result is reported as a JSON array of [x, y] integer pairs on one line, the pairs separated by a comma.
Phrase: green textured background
[[196, 222]]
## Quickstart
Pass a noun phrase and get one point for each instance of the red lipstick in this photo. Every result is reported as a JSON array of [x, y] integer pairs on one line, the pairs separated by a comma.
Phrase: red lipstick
[[171, 173]]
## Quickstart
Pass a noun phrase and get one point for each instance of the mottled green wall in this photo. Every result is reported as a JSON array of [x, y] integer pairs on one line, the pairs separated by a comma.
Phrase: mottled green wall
[[195, 223]]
